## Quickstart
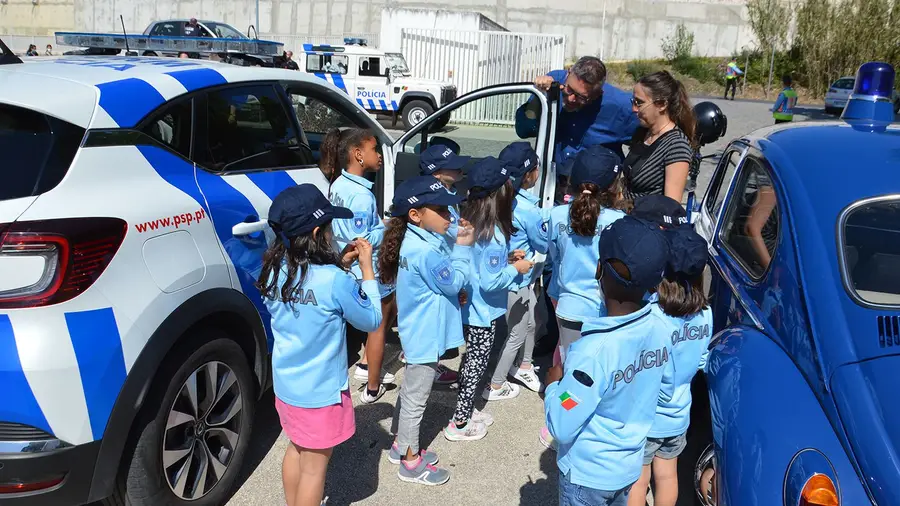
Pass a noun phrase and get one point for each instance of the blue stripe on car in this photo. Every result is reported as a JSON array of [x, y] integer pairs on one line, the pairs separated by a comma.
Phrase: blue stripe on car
[[394, 105], [98, 351], [339, 81], [372, 105], [19, 404], [129, 100], [195, 79], [272, 183], [383, 105]]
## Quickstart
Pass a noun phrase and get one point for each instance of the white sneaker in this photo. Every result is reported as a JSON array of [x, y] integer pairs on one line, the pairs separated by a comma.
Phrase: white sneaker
[[506, 391], [482, 417], [363, 375], [527, 377], [365, 398], [473, 431]]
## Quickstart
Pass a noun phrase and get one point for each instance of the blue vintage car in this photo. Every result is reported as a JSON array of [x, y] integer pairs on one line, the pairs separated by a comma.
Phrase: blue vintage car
[[804, 370]]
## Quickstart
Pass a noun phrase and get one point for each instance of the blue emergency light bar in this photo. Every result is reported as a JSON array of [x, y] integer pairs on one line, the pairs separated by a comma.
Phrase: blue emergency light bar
[[355, 41], [870, 107], [172, 44]]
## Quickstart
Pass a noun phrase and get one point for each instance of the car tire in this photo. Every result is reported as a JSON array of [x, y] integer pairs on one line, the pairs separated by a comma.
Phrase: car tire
[[699, 437], [415, 111], [441, 123], [145, 478]]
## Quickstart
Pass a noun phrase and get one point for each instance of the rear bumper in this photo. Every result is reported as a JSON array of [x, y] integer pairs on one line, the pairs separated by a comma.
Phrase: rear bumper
[[75, 464]]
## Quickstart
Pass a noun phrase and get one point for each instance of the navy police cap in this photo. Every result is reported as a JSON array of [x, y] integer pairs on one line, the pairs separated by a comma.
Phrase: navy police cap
[[640, 246], [595, 164], [298, 210], [421, 191], [486, 176], [439, 157], [687, 251], [520, 158], [660, 210]]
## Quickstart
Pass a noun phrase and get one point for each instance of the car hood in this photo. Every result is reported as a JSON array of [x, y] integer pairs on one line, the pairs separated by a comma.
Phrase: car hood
[[866, 397]]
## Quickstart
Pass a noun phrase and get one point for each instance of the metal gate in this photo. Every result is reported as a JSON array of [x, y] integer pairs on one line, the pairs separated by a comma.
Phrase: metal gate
[[476, 59]]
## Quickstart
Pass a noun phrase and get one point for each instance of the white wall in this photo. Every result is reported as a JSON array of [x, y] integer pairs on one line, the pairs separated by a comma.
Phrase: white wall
[[394, 20]]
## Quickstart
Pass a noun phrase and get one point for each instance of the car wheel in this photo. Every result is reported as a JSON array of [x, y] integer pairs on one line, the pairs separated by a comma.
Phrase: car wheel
[[699, 438], [193, 432], [441, 123], [416, 111]]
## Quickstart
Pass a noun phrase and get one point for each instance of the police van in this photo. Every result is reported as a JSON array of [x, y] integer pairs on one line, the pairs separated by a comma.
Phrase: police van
[[380, 82], [134, 200]]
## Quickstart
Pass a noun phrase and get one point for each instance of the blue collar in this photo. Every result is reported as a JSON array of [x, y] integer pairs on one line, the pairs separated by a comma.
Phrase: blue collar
[[606, 324], [530, 197], [358, 180], [439, 242]]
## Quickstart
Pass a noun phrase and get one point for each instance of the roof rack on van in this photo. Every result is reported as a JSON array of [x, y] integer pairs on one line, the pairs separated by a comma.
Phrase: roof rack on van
[[179, 44], [6, 55]]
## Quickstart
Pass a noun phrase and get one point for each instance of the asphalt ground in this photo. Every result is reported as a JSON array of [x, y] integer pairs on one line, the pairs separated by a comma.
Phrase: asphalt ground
[[508, 467]]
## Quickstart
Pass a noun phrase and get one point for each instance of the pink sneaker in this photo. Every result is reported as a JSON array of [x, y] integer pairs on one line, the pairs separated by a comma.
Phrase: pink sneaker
[[445, 376], [548, 440]]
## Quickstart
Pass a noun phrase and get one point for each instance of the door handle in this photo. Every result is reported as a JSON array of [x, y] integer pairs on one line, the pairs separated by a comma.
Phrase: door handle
[[249, 228], [361, 88]]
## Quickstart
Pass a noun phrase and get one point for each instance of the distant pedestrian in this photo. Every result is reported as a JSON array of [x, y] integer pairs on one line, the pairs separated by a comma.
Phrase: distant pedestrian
[[731, 74], [49, 50], [192, 28], [32, 50], [289, 62], [783, 110]]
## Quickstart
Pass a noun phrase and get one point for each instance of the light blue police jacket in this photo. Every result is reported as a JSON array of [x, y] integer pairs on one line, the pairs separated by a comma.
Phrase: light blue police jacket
[[603, 407], [428, 283], [453, 231], [580, 296], [355, 193], [689, 338], [491, 277], [531, 234], [309, 357]]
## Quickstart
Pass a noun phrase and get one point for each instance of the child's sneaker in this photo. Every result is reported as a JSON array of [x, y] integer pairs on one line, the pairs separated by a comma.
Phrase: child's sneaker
[[365, 398], [526, 377], [548, 440], [482, 417], [427, 455], [506, 391], [473, 431], [423, 473], [362, 374], [445, 376]]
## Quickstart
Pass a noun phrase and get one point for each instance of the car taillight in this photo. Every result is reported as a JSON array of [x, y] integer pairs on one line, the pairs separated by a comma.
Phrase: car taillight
[[819, 491], [67, 256]]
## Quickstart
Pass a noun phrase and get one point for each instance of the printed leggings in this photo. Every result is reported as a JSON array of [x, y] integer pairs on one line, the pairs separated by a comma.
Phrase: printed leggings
[[479, 341]]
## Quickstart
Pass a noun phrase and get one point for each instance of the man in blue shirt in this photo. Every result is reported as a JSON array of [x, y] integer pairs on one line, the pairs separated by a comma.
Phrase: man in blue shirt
[[592, 111]]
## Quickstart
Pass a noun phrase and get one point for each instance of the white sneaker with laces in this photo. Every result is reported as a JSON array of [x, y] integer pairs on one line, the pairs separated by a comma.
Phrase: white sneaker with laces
[[361, 374], [473, 431], [482, 417], [506, 391], [365, 398], [527, 377]]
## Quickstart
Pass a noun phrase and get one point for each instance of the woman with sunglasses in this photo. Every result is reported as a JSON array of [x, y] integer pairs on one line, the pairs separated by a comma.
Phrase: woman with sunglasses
[[661, 150]]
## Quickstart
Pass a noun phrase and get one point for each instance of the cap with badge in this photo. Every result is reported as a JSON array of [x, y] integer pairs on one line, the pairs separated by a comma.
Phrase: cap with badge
[[486, 176], [298, 210], [688, 251], [520, 158], [421, 191], [640, 246], [660, 210], [438, 157], [597, 165]]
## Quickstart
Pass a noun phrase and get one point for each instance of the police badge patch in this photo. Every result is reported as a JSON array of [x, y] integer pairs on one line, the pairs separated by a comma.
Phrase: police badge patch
[[359, 295], [442, 273], [495, 258], [359, 222]]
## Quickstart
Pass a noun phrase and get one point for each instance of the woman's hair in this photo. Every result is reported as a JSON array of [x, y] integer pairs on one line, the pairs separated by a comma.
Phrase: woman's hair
[[351, 138], [304, 250], [389, 251], [329, 154], [680, 295], [586, 207], [665, 88], [491, 211]]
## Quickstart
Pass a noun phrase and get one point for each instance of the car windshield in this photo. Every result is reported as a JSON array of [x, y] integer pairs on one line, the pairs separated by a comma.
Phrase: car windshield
[[38, 150], [397, 63], [843, 84], [224, 31], [871, 236]]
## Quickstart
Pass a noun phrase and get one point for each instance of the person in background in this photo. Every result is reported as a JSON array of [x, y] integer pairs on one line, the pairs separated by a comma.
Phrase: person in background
[[32, 50], [783, 110], [601, 403], [48, 51], [592, 111], [289, 62], [660, 156], [357, 154], [311, 297], [731, 77], [429, 274], [192, 28], [183, 55], [530, 237]]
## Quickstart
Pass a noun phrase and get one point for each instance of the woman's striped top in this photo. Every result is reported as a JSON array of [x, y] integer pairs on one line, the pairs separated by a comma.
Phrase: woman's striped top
[[645, 165]]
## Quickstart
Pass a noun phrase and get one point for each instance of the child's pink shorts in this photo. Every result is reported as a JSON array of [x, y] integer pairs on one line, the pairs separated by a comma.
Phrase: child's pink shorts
[[318, 428]]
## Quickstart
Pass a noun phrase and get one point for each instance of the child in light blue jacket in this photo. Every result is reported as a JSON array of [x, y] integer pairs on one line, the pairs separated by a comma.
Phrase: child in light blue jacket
[[311, 297]]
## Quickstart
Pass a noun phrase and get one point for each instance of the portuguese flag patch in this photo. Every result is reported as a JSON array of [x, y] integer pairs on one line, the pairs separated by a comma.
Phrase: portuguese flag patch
[[568, 401]]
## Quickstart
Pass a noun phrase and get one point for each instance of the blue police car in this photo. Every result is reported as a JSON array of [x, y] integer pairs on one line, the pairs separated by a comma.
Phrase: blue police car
[[804, 228]]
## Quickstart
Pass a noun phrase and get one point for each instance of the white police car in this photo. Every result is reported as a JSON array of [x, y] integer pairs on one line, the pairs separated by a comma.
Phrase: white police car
[[133, 206]]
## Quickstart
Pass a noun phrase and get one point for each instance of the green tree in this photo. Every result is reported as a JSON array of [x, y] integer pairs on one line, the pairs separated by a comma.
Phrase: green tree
[[680, 46]]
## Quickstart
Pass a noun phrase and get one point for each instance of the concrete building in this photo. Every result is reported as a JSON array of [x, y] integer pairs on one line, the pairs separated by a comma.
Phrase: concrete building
[[612, 29]]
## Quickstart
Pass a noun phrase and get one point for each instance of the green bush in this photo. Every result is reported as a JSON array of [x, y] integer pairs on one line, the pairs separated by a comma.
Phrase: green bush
[[679, 46], [702, 69], [640, 68]]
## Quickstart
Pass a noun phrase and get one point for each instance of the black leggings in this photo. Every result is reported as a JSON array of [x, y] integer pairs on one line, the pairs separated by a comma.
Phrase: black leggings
[[730, 83], [479, 341]]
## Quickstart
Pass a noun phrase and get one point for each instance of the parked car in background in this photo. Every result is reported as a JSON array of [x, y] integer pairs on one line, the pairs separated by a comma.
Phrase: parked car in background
[[839, 92]]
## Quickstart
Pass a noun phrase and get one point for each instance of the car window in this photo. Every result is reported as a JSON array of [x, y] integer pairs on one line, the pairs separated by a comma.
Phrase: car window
[[718, 187], [370, 67], [167, 29], [248, 128], [752, 220], [224, 31], [843, 84], [172, 127], [871, 242], [37, 151], [315, 116], [327, 63]]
